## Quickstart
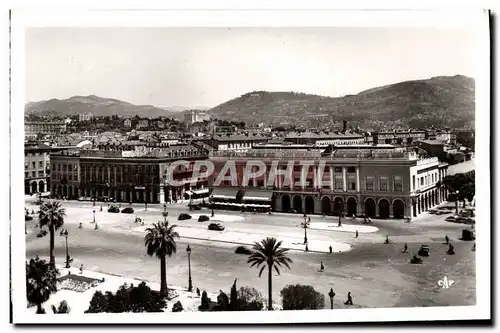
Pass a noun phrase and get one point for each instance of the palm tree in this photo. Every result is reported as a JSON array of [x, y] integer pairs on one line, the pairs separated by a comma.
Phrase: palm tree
[[52, 215], [160, 240], [268, 253], [41, 282]]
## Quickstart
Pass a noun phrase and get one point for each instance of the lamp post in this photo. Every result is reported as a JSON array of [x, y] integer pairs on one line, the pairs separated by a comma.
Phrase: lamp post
[[305, 225], [190, 282], [456, 202], [165, 213], [93, 212], [68, 260]]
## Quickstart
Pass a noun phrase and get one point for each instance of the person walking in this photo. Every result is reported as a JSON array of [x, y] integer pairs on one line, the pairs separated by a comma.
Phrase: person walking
[[446, 239], [307, 248], [349, 299], [386, 239], [405, 249], [81, 269], [330, 248], [357, 234], [322, 267], [331, 294]]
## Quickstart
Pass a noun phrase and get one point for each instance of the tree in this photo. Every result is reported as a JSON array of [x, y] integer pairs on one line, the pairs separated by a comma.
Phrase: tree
[[268, 253], [41, 282], [52, 215], [301, 297], [98, 303], [160, 241], [205, 301], [177, 307], [62, 308], [143, 299], [460, 186], [234, 296], [250, 299]]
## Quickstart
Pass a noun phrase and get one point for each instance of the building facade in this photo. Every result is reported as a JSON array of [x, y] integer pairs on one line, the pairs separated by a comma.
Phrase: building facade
[[125, 176], [36, 168], [382, 184], [48, 127], [194, 116]]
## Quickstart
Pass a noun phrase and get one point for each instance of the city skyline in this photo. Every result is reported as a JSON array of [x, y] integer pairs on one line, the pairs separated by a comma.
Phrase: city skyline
[[133, 64]]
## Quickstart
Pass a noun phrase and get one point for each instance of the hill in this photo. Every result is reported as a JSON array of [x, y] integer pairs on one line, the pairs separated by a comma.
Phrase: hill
[[99, 106], [442, 101]]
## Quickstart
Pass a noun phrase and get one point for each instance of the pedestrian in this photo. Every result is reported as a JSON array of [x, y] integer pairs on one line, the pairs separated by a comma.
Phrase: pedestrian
[[340, 223], [349, 299], [405, 250], [309, 219], [330, 249], [322, 268], [386, 239], [357, 234], [446, 239], [101, 208], [474, 247], [369, 220], [332, 295], [198, 292], [81, 269], [80, 225]]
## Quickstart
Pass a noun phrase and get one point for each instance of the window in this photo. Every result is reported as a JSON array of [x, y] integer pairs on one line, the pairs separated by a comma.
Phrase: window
[[40, 164], [33, 174], [26, 165], [26, 174], [33, 164], [384, 183], [398, 184], [339, 183], [351, 182], [369, 183], [351, 169], [413, 183], [421, 181], [40, 173], [338, 169]]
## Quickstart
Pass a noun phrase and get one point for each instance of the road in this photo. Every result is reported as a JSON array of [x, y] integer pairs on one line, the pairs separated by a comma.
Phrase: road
[[377, 274]]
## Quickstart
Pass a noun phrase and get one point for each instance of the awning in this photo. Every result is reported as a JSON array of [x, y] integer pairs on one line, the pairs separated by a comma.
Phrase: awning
[[257, 195], [225, 193], [201, 191], [190, 193], [255, 205]]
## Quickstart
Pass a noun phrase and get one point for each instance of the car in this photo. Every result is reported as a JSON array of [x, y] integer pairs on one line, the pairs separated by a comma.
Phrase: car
[[184, 216], [128, 210], [216, 227], [203, 218], [424, 251], [451, 218], [28, 218], [113, 209], [242, 250], [42, 233]]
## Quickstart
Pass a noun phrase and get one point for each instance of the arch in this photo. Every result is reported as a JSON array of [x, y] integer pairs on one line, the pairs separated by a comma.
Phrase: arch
[[352, 206], [426, 202], [297, 203], [338, 206], [70, 192], [370, 209], [33, 187], [64, 191], [383, 209], [398, 209], [285, 203], [27, 188], [414, 203], [274, 199], [309, 203], [41, 186], [421, 206], [326, 205]]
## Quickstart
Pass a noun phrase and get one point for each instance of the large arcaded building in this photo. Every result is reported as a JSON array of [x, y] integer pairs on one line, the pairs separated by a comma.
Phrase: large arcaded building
[[384, 182]]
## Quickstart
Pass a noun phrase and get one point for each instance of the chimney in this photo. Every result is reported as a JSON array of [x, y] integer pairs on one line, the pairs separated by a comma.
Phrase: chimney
[[345, 126]]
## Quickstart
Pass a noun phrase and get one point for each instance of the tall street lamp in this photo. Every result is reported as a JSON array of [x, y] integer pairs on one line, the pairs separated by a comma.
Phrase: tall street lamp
[[190, 282], [68, 260], [165, 213], [93, 212], [456, 202], [305, 225]]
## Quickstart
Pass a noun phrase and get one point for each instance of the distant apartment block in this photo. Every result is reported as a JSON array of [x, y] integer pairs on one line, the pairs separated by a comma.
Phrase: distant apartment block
[[85, 116], [127, 123], [194, 116], [143, 123], [44, 127]]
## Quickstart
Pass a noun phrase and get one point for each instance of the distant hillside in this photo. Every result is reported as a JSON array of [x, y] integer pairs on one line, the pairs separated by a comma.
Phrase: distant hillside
[[98, 106], [442, 101]]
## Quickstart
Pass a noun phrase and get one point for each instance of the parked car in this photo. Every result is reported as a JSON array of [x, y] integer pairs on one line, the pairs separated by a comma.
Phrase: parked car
[[184, 216], [113, 209], [424, 251], [243, 250], [451, 218], [216, 226], [28, 218], [203, 218], [128, 210], [42, 233]]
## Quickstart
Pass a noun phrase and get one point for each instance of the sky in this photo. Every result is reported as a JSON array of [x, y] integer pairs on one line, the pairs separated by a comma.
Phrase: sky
[[204, 67]]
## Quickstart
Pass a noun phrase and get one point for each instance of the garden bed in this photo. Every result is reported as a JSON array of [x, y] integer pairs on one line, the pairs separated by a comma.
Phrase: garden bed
[[78, 283]]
